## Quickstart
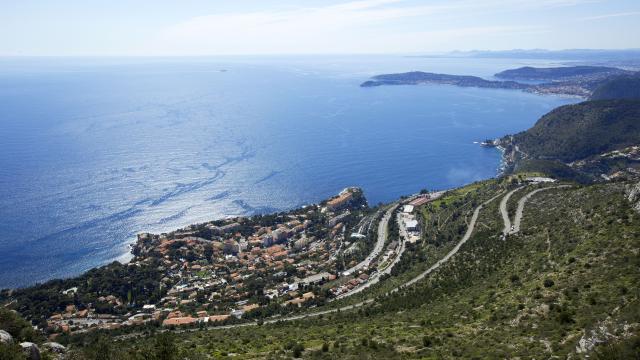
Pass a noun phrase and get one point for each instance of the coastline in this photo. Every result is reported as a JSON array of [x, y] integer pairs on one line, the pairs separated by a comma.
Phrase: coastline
[[126, 256], [121, 249]]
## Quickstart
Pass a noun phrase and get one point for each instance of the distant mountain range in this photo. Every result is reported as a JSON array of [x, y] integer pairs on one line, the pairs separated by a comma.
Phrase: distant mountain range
[[569, 54]]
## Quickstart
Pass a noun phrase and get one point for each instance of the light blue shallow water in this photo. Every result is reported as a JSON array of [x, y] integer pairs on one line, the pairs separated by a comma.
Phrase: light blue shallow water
[[93, 151]]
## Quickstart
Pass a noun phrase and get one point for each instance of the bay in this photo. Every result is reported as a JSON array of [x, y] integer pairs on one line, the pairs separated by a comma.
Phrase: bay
[[95, 150]]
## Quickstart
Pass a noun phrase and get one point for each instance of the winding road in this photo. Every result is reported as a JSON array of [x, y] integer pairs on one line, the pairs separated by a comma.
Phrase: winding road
[[518, 217], [382, 237], [467, 235], [383, 228], [505, 213], [382, 231]]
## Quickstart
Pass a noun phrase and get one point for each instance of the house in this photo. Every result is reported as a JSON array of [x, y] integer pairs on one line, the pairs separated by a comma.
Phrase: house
[[218, 318], [407, 209], [70, 291], [174, 314], [280, 254], [539, 179], [231, 247], [178, 321], [336, 219], [340, 201], [250, 307], [411, 225], [237, 313], [300, 300], [420, 200]]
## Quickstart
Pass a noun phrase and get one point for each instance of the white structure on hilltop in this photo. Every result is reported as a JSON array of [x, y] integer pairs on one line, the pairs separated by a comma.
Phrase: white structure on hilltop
[[411, 225]]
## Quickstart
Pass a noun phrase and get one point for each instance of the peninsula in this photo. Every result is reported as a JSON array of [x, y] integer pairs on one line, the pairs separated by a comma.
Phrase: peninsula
[[580, 81]]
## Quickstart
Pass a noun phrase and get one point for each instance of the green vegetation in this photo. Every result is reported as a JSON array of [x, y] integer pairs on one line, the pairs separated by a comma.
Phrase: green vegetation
[[574, 142], [622, 87], [572, 270], [20, 330], [556, 73], [553, 168], [134, 286], [574, 132]]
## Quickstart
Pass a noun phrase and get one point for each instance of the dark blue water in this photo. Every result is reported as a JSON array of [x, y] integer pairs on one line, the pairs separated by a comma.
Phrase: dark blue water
[[93, 151]]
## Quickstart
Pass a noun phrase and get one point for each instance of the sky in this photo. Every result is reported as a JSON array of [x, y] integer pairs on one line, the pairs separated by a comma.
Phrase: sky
[[244, 27]]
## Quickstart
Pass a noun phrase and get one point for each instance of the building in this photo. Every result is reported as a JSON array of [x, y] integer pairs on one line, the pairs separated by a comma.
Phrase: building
[[538, 179], [314, 279], [300, 300], [219, 230], [237, 313], [407, 209], [336, 219], [340, 201], [420, 200], [231, 247], [218, 318], [411, 225], [250, 307], [178, 321]]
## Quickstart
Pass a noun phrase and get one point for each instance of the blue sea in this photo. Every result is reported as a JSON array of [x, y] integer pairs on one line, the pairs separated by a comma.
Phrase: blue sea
[[95, 150]]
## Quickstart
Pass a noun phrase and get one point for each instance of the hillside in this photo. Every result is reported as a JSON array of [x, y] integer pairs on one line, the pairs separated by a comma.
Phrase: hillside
[[558, 73], [419, 77], [565, 285], [622, 87], [593, 137], [578, 81]]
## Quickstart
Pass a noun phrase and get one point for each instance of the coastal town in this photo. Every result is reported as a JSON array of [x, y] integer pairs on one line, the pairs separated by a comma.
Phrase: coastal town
[[239, 268]]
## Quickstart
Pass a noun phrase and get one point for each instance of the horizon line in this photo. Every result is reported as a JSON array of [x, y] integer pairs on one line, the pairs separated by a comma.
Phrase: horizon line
[[417, 53]]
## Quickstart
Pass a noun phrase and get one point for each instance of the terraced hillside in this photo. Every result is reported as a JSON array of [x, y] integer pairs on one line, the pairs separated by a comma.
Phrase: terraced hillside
[[564, 285]]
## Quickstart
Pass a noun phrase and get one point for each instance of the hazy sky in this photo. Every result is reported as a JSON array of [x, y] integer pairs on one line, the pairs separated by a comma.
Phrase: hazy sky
[[211, 27]]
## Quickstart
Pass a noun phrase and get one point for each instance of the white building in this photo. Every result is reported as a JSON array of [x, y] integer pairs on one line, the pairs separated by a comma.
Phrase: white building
[[538, 179], [411, 225]]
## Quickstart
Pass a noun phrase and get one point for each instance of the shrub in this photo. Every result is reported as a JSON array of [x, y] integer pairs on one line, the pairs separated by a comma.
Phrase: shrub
[[426, 341], [297, 350]]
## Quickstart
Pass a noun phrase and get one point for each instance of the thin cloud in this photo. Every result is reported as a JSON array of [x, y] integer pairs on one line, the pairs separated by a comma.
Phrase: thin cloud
[[607, 16], [351, 27]]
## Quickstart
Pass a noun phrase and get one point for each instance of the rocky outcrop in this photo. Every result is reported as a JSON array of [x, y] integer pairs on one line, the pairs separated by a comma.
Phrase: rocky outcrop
[[5, 337], [633, 195], [55, 347], [30, 350]]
